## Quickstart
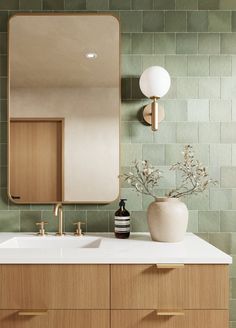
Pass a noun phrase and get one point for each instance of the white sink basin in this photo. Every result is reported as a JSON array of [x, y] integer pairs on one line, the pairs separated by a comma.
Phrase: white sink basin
[[52, 242]]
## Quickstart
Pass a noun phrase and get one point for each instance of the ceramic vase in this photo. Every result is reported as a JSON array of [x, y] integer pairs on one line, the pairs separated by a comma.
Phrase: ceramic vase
[[167, 219]]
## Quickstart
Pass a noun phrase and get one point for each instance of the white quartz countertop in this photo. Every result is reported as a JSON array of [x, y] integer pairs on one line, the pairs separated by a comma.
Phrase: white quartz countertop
[[138, 249]]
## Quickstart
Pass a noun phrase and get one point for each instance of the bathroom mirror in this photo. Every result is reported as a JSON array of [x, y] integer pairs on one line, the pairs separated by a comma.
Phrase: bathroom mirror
[[64, 99]]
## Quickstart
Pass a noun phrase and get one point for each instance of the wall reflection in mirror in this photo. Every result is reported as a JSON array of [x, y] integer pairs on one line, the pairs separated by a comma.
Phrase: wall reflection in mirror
[[64, 98]]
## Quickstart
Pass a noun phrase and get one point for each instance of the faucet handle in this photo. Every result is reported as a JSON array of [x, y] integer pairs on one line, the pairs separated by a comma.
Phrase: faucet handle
[[78, 231], [41, 224]]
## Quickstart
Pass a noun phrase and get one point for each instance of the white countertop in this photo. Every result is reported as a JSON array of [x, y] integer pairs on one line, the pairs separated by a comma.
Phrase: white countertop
[[138, 249]]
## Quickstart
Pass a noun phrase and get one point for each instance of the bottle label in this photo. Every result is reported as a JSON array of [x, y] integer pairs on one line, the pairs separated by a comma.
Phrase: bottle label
[[122, 224]]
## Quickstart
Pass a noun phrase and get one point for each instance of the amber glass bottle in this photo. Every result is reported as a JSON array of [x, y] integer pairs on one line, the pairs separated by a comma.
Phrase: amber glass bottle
[[122, 221]]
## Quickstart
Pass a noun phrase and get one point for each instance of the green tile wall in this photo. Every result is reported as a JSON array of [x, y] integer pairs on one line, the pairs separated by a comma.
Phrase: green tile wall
[[196, 41]]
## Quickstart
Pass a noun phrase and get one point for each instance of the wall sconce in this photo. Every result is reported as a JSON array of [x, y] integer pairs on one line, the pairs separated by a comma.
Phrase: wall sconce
[[154, 84]]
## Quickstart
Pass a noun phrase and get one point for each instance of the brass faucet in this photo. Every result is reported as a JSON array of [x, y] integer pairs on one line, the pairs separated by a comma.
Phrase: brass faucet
[[58, 212]]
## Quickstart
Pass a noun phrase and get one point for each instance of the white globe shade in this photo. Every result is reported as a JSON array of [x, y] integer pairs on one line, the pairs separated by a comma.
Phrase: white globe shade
[[154, 82]]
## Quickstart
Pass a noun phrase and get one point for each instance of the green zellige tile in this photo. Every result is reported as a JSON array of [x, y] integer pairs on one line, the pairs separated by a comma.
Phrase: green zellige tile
[[175, 110], [9, 221], [153, 21], [74, 216], [186, 43], [140, 4], [187, 132], [209, 43], [154, 153], [220, 199], [3, 154], [221, 241], [186, 4], [198, 65], [165, 43], [140, 133], [175, 21], [228, 177], [3, 65], [53, 4], [153, 60], [228, 43], [209, 132], [220, 154], [97, 5], [125, 88], [30, 4], [9, 4], [208, 4], [164, 4], [131, 21], [176, 65], [3, 21], [134, 199], [3, 132], [198, 201], [197, 21], [142, 43], [198, 110], [227, 221], [125, 43], [209, 221], [97, 221], [75, 4], [219, 21], [125, 130], [129, 110], [220, 110], [220, 65], [228, 132], [120, 4], [209, 88], [3, 43], [130, 153], [139, 221], [187, 88], [227, 4], [166, 133], [168, 179], [131, 65], [3, 199], [29, 220], [234, 21]]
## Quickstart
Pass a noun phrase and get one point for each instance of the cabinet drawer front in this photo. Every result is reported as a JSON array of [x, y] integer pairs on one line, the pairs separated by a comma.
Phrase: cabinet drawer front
[[150, 319], [54, 287], [56, 319], [145, 287], [149, 287]]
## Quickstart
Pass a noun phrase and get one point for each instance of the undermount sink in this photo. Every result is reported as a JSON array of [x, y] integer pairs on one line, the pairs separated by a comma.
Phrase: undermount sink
[[52, 242]]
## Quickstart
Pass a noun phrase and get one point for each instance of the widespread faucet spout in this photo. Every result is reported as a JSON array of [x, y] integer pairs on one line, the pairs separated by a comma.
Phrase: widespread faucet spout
[[58, 212]]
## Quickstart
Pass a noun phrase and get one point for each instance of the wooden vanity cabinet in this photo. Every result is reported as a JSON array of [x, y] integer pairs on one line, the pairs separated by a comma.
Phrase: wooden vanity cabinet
[[114, 296]]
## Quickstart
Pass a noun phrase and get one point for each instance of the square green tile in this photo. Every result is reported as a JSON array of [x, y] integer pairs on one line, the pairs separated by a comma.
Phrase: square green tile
[[134, 199], [228, 177], [219, 21], [232, 307], [125, 130], [131, 65], [9, 5], [198, 201], [186, 43], [228, 43], [208, 4], [52, 220], [186, 4], [192, 221], [227, 221], [72, 217], [75, 4], [153, 21], [175, 110], [152, 60], [221, 241], [164, 4], [209, 221], [166, 133], [198, 65], [142, 5], [209, 88], [165, 43], [130, 153], [187, 88], [3, 88], [141, 133], [53, 4], [3, 22], [30, 4], [176, 65], [126, 43], [227, 4], [115, 204], [175, 21], [3, 43], [198, 110], [173, 153], [97, 221], [139, 221], [3, 154], [142, 43], [28, 220], [3, 199], [9, 221], [129, 110], [86, 207], [228, 87], [234, 156], [234, 21], [172, 93], [155, 154], [131, 21], [168, 179], [220, 66], [120, 4], [197, 21], [125, 88], [220, 199], [220, 154], [3, 66], [209, 43], [97, 5], [228, 132], [187, 132], [209, 132], [3, 132]]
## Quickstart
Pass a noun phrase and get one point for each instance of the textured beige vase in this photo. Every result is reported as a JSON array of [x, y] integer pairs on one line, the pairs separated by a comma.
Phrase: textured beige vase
[[167, 219]]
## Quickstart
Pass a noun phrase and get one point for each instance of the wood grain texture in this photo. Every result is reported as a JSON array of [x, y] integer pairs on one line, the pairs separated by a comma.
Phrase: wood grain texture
[[149, 319], [54, 286], [56, 319], [191, 287], [36, 160]]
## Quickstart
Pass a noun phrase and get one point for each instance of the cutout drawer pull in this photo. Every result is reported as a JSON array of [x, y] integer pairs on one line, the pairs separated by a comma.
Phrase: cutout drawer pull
[[169, 313], [170, 266], [32, 312]]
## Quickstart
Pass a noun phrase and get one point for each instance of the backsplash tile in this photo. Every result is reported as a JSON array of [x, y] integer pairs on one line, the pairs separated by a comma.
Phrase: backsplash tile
[[195, 40]]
